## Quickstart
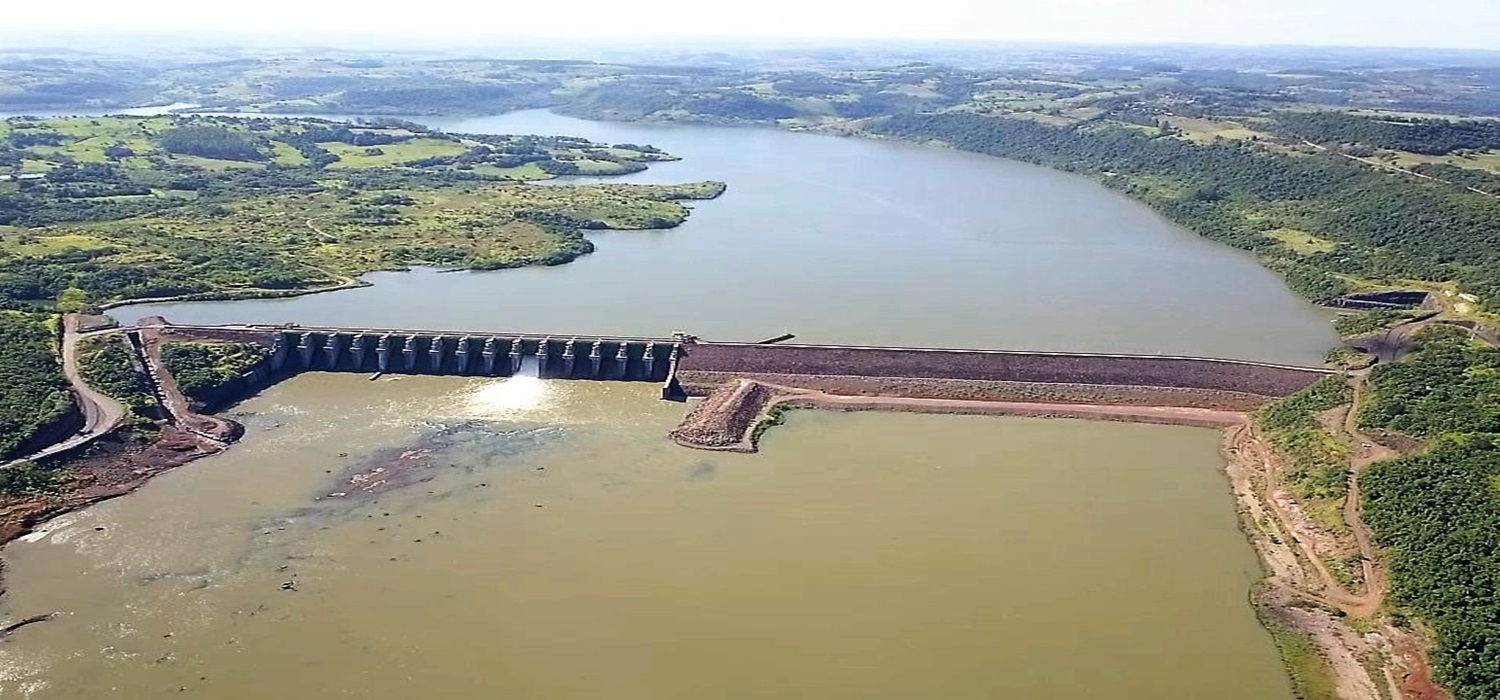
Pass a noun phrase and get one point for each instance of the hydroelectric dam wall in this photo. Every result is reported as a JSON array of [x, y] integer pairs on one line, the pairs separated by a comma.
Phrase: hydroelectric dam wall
[[687, 366], [295, 350]]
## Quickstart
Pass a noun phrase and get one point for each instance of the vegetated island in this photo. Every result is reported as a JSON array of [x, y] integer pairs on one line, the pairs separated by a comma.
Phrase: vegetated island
[[96, 211]]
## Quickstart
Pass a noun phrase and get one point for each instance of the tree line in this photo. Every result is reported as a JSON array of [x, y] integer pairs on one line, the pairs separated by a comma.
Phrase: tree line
[[1389, 226], [1435, 137]]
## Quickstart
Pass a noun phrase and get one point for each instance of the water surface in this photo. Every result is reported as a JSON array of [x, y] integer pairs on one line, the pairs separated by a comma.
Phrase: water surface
[[852, 241], [562, 549]]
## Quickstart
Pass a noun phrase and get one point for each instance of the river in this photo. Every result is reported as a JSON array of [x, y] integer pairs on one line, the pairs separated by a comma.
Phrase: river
[[549, 542]]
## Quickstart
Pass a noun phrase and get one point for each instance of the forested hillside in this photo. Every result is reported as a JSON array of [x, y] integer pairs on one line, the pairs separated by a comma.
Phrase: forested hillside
[[33, 394], [1384, 226], [1437, 512], [1425, 136]]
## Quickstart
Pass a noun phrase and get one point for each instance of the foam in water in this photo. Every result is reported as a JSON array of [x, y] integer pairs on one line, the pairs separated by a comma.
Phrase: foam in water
[[523, 392]]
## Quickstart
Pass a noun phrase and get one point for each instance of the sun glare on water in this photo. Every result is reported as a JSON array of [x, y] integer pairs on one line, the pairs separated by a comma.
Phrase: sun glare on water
[[515, 394]]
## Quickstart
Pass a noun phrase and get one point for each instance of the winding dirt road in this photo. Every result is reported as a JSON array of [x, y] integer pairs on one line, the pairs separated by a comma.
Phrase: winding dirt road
[[1363, 452], [101, 414]]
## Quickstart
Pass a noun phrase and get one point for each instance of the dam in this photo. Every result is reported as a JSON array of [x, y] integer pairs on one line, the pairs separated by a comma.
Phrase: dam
[[688, 366]]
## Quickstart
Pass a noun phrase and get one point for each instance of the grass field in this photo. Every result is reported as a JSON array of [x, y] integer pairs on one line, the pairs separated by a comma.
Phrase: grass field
[[390, 155], [1489, 160], [1301, 242], [1207, 130], [90, 140], [152, 223]]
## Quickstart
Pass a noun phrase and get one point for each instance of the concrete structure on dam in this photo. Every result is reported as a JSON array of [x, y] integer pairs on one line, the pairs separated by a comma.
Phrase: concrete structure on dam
[[744, 382], [472, 354], [685, 366]]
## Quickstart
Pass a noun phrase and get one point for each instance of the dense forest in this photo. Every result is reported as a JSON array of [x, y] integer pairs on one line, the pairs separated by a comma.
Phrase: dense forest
[[210, 141], [1425, 136], [109, 367], [1387, 227], [33, 394], [1449, 386], [202, 368], [1436, 512]]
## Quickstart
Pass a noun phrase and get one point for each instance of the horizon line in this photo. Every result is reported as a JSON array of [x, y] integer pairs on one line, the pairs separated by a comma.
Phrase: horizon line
[[23, 41]]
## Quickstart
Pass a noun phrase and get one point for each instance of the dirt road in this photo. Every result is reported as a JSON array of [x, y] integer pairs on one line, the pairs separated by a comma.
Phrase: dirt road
[[1363, 452], [101, 414]]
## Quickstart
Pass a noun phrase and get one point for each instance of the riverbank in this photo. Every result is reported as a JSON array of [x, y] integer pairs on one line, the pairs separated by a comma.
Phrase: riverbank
[[115, 465], [118, 461], [1109, 335], [342, 283], [1335, 647]]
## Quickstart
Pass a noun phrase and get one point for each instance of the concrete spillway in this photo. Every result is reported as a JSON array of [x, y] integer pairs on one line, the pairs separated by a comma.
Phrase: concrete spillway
[[407, 352]]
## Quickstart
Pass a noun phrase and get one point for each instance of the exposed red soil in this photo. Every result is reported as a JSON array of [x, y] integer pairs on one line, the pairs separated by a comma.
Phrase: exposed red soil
[[184, 414]]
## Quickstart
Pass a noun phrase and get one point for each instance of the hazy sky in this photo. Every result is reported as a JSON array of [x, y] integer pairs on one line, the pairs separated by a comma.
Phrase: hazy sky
[[1434, 23]]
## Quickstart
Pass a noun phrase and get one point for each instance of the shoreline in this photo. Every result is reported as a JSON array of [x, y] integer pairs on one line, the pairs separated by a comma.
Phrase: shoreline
[[734, 416], [345, 282]]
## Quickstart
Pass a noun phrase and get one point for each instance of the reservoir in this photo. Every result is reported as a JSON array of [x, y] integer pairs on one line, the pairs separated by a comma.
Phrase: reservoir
[[459, 538], [851, 241]]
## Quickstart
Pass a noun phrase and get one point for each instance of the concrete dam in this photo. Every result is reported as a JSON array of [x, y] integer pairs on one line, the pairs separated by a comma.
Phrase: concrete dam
[[687, 366], [405, 352], [745, 382]]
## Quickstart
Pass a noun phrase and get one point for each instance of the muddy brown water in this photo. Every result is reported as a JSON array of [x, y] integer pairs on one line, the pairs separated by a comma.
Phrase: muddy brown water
[[545, 539], [557, 547]]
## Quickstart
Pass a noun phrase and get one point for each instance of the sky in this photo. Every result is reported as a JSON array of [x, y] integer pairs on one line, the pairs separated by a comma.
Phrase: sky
[[1471, 24]]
